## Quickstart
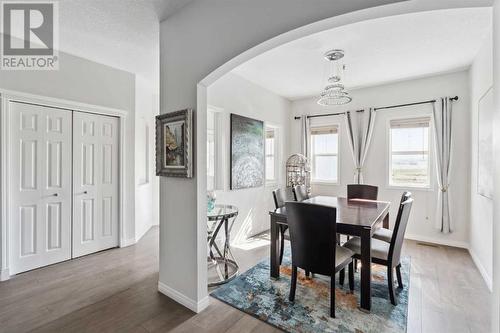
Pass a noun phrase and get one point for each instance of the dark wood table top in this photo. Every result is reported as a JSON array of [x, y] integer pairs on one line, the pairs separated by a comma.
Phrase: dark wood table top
[[353, 212]]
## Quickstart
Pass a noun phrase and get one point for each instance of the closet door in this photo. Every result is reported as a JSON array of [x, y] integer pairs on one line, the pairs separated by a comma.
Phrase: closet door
[[40, 178], [95, 183]]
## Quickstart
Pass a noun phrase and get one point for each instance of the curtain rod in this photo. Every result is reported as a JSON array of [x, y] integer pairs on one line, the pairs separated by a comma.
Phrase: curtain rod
[[410, 104], [326, 115], [377, 109]]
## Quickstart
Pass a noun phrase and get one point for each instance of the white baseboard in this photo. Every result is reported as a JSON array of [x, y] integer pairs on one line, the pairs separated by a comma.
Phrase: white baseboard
[[141, 234], [439, 241], [4, 274], [127, 242], [482, 270], [183, 299]]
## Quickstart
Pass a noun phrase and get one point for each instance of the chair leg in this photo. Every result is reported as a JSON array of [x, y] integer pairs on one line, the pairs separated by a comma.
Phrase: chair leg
[[390, 281], [332, 296], [351, 276], [398, 274], [293, 284], [355, 265], [342, 276], [282, 249]]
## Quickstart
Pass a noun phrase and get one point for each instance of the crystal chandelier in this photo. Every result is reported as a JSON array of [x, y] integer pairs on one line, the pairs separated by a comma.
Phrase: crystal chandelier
[[334, 92]]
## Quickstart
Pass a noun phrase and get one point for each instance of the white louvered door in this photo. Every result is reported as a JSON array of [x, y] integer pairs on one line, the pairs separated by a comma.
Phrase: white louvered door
[[95, 183], [40, 178]]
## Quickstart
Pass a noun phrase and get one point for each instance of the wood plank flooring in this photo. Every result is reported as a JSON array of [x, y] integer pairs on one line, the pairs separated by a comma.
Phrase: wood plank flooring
[[116, 291]]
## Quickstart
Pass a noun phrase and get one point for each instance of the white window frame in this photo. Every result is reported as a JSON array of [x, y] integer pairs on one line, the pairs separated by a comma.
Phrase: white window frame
[[339, 145], [219, 153], [431, 184], [277, 153]]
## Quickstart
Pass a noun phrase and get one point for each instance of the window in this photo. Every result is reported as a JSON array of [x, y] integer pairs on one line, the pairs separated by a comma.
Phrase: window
[[271, 162], [324, 152], [409, 152], [212, 148]]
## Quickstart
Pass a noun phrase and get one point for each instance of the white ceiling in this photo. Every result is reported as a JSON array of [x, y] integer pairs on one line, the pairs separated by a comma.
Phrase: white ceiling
[[165, 8], [377, 52]]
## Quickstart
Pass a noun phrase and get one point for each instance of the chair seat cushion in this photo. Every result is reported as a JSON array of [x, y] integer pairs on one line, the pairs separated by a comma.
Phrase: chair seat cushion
[[342, 254], [383, 234], [380, 249]]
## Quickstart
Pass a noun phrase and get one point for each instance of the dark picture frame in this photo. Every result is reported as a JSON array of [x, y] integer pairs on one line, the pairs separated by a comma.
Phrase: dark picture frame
[[174, 144], [247, 152]]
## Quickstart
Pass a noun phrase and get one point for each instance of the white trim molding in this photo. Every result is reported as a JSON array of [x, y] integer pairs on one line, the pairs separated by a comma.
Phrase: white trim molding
[[4, 274], [183, 299], [487, 278], [438, 241]]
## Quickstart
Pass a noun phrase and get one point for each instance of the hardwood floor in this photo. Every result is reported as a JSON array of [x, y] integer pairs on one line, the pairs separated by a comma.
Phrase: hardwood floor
[[116, 291]]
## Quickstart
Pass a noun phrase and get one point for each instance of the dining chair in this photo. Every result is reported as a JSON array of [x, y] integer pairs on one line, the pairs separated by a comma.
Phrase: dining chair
[[362, 191], [385, 234], [300, 193], [280, 197], [387, 254], [314, 246]]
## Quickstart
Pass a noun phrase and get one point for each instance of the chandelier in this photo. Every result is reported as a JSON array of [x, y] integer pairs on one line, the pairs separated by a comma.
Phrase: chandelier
[[334, 92]]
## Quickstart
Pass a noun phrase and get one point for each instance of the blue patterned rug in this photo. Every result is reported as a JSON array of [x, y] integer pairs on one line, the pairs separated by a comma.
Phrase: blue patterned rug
[[255, 293]]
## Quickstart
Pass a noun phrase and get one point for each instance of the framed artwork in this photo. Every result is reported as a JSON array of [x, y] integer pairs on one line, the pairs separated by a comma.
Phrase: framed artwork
[[247, 152], [174, 144], [485, 163]]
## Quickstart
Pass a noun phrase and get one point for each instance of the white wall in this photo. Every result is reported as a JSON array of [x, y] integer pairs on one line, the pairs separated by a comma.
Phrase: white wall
[[421, 225], [481, 212], [495, 322], [124, 34], [229, 33], [233, 94]]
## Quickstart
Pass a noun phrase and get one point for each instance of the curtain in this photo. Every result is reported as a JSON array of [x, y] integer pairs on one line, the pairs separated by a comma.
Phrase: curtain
[[443, 140], [304, 130], [359, 132]]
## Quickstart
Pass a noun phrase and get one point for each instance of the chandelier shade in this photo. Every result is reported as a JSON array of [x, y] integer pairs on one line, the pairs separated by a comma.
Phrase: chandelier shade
[[334, 93]]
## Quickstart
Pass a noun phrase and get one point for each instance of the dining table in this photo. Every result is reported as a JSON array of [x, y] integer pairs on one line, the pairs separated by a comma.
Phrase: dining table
[[355, 217]]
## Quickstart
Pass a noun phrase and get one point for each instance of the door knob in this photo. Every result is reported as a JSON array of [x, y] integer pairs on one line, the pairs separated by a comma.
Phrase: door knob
[[85, 192], [55, 194]]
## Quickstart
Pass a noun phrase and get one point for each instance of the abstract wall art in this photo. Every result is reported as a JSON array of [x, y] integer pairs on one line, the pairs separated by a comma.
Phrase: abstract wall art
[[247, 152]]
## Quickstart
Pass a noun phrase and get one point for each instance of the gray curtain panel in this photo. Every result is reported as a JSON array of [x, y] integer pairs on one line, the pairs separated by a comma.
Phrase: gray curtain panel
[[304, 130], [359, 133], [443, 141]]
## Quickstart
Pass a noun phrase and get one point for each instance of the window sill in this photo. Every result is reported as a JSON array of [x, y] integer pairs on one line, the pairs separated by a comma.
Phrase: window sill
[[324, 182], [272, 183], [411, 188]]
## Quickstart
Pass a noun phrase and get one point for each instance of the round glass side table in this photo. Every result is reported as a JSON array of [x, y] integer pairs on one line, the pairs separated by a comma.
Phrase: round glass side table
[[222, 266]]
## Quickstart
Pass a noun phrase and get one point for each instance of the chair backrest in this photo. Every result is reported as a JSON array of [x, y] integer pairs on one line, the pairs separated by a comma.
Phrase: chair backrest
[[300, 193], [281, 196], [362, 191], [398, 233], [312, 236], [405, 196]]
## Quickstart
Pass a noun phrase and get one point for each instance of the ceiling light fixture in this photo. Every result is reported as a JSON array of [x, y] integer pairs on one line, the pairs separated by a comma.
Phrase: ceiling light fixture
[[334, 92]]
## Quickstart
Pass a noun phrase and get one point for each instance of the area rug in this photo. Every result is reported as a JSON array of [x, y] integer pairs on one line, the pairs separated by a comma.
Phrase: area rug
[[257, 294]]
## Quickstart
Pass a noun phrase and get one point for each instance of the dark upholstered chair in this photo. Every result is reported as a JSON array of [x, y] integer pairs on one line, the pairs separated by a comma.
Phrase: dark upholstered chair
[[300, 193], [385, 234], [314, 247], [280, 197], [387, 254], [362, 191]]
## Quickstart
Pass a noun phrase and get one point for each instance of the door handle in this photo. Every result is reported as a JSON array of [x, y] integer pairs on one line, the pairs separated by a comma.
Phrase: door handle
[[55, 195], [85, 192]]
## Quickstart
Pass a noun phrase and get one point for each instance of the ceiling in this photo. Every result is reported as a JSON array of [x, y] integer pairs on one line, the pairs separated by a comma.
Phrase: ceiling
[[165, 8], [377, 51]]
